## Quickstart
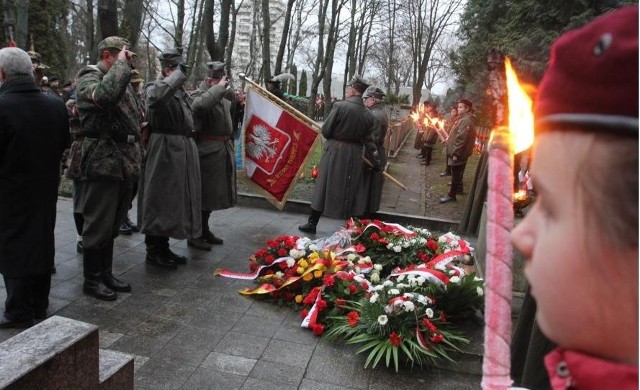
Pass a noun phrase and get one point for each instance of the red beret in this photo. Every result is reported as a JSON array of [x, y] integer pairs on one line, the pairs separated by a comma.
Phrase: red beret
[[466, 103], [592, 79]]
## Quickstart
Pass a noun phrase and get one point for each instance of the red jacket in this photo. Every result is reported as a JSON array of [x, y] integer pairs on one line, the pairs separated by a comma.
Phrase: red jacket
[[574, 370]]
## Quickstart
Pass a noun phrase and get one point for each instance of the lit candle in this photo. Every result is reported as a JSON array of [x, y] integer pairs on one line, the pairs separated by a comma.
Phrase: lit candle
[[503, 144]]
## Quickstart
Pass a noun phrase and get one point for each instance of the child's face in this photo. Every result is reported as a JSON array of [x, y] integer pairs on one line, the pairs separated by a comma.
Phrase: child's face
[[552, 237]]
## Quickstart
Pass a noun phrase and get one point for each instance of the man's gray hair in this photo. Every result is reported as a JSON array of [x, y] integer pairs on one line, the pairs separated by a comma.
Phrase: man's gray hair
[[15, 62]]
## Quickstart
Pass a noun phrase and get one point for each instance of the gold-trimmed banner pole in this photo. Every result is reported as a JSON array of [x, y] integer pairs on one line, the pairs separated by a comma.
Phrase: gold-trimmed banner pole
[[295, 112]]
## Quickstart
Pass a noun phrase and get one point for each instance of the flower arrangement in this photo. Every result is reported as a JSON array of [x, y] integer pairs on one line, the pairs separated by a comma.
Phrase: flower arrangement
[[397, 291]]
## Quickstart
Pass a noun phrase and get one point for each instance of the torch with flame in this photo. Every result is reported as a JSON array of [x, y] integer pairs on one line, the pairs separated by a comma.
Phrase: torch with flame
[[422, 119], [504, 142]]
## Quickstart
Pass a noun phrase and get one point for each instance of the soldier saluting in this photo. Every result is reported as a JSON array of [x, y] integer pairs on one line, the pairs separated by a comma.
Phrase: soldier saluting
[[104, 161]]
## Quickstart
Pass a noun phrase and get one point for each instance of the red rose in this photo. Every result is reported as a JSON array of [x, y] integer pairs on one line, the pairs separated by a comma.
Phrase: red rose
[[374, 236], [432, 245], [395, 339], [269, 259], [352, 289], [352, 318], [282, 252], [271, 243], [282, 265], [304, 313]]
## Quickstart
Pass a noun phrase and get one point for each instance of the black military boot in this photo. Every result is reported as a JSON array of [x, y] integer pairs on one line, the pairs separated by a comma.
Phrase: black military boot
[[157, 252], [312, 222], [107, 271], [207, 235], [93, 285]]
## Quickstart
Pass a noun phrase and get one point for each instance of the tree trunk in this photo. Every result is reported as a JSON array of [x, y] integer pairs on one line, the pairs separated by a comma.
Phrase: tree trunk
[[223, 30], [266, 40], [132, 21], [283, 38], [209, 34], [108, 17], [90, 33]]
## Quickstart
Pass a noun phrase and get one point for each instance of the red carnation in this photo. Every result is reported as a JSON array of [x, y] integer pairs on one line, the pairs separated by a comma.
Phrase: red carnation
[[328, 280], [383, 241], [282, 265], [352, 318], [395, 339], [253, 266], [436, 338], [318, 329], [282, 252], [374, 236], [304, 313], [269, 259], [443, 318], [432, 328], [321, 304], [352, 289]]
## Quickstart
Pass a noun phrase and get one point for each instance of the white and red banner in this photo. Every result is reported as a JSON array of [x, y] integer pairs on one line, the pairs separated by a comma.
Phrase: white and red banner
[[276, 146]]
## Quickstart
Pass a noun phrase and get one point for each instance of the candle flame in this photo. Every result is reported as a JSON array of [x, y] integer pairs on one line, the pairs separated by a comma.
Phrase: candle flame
[[520, 111]]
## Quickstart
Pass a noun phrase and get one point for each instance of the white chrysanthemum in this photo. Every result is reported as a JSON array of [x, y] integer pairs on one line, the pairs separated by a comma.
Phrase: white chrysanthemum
[[401, 285], [388, 309], [279, 274], [405, 244], [388, 283], [291, 262], [429, 312], [374, 297], [400, 277], [377, 267], [313, 247], [394, 291], [408, 306], [408, 295], [375, 278], [383, 319], [422, 299], [480, 291], [420, 279], [397, 249], [357, 270], [455, 279], [379, 287], [422, 241], [389, 245], [351, 256]]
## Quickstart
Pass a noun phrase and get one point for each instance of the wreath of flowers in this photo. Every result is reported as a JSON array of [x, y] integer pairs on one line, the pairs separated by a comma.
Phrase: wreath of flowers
[[397, 291]]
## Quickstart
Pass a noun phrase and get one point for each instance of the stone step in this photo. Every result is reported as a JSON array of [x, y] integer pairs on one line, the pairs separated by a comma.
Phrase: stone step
[[58, 353], [116, 370]]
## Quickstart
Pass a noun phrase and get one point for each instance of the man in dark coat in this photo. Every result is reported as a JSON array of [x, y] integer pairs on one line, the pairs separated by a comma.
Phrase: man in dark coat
[[104, 161], [347, 129], [459, 147], [33, 135], [430, 135], [371, 188], [169, 193], [214, 126]]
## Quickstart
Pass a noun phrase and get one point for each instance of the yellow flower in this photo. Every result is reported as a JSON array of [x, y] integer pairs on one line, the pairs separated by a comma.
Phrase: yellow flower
[[317, 274], [298, 298], [303, 264], [300, 270], [307, 277]]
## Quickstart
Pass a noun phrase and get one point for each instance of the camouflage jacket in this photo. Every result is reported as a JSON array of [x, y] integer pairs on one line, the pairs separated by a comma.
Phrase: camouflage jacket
[[107, 146]]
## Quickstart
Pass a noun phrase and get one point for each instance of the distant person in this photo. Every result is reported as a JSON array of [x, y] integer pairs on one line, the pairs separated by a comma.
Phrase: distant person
[[38, 66], [580, 238], [453, 117], [459, 147], [347, 129], [33, 135], [373, 180], [273, 85], [105, 161], [430, 135], [215, 135], [169, 202]]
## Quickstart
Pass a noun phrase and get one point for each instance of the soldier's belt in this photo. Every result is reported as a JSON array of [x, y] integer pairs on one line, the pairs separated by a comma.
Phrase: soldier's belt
[[186, 133], [349, 141], [209, 137]]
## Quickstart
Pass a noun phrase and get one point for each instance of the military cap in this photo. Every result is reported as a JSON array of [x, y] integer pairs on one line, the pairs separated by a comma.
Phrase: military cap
[[135, 77], [358, 84], [171, 58], [113, 42], [215, 69], [373, 92], [36, 60], [592, 78]]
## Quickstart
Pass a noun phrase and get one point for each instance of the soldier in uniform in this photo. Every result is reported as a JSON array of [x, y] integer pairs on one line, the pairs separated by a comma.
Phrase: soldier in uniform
[[104, 161], [214, 126], [459, 147], [347, 128], [33, 134], [371, 189], [169, 194], [453, 116], [273, 86], [38, 66]]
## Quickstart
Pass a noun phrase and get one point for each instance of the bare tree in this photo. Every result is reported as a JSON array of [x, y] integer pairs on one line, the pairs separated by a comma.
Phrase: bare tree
[[266, 40], [283, 39], [132, 21], [423, 24], [216, 47]]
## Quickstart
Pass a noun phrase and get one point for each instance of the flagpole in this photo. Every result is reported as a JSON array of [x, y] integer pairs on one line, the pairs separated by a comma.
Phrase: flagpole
[[301, 116]]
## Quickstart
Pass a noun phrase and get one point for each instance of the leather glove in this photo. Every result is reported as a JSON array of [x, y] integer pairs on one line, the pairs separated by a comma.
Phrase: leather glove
[[183, 67]]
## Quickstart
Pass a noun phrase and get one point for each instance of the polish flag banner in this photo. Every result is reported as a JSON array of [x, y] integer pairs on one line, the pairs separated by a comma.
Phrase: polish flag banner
[[277, 145]]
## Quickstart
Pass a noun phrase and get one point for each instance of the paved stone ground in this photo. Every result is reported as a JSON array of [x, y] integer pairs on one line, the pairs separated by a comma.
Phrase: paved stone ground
[[191, 330]]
